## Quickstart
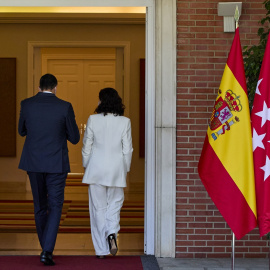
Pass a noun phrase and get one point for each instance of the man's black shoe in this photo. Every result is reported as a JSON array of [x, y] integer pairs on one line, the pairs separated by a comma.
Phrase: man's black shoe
[[46, 258]]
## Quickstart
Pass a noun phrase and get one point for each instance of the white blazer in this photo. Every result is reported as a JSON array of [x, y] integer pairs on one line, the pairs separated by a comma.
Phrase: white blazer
[[107, 150]]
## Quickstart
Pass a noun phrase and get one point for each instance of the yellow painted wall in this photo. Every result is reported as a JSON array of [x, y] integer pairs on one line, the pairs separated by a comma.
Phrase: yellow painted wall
[[14, 40]]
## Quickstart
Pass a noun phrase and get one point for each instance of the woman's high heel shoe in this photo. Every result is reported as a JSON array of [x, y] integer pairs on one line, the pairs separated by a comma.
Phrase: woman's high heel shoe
[[112, 244]]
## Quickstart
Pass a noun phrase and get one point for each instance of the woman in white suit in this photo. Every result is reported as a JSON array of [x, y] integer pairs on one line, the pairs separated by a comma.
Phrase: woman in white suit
[[107, 151]]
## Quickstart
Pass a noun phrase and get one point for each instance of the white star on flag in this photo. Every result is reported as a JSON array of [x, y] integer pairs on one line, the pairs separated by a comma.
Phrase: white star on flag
[[264, 114], [257, 88], [266, 168], [257, 140]]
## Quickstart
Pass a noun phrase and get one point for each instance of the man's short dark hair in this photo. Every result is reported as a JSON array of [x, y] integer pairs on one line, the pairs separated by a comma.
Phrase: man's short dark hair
[[47, 82]]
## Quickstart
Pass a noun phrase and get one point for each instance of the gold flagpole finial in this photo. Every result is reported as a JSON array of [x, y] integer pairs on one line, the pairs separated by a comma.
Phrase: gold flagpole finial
[[236, 17]]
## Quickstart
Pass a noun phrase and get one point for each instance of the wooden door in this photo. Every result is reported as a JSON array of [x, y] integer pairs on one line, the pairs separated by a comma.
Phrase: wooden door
[[98, 74], [79, 82]]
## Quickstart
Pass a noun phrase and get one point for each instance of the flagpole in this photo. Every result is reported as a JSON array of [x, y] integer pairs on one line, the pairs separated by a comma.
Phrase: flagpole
[[236, 18], [233, 248]]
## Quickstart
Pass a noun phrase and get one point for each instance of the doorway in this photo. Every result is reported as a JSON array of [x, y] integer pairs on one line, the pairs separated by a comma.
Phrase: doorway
[[160, 188], [80, 67]]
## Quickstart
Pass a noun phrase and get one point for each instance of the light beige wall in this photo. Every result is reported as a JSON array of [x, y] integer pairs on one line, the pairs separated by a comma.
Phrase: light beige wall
[[14, 40]]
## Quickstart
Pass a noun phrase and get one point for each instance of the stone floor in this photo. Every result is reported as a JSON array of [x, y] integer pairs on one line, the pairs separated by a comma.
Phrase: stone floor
[[212, 264]]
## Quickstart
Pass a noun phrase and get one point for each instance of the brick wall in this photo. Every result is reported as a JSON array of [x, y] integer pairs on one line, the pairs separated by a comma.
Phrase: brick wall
[[202, 50]]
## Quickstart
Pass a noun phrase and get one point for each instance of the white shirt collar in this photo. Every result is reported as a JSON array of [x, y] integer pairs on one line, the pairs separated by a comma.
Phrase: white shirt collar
[[47, 92]]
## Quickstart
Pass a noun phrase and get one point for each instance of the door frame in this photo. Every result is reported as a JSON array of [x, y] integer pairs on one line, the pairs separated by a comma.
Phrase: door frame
[[160, 162], [125, 45]]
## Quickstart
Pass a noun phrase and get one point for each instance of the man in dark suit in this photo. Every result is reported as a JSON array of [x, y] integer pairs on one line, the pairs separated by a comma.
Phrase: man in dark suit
[[47, 122]]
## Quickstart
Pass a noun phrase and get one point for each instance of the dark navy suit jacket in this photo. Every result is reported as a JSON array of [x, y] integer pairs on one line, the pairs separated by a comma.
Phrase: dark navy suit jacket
[[47, 122]]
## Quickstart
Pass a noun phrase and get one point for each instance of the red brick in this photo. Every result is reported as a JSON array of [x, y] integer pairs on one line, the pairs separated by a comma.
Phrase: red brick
[[185, 243], [255, 255], [219, 237], [201, 23], [255, 243], [184, 231], [181, 213], [181, 249], [201, 35], [201, 11], [219, 249], [200, 237], [219, 255], [181, 5], [183, 255], [181, 237], [200, 255], [181, 176], [219, 243], [200, 249], [202, 4], [200, 243], [200, 219]]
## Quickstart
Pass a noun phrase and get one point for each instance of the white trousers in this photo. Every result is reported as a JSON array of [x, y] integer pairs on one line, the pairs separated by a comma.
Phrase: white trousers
[[105, 204]]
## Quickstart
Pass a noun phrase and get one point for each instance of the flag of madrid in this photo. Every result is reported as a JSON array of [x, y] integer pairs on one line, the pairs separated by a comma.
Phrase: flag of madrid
[[260, 118]]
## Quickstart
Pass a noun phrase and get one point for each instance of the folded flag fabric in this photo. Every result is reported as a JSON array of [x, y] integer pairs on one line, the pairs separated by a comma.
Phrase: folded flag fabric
[[226, 163], [260, 118]]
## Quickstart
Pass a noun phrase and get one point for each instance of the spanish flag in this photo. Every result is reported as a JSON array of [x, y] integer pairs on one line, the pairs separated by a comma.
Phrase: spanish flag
[[226, 163]]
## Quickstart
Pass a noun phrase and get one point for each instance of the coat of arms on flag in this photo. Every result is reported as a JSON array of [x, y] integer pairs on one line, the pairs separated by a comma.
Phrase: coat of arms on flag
[[223, 112]]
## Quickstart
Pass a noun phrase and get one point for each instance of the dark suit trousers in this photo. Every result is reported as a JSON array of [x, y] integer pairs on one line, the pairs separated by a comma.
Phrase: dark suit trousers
[[48, 195]]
